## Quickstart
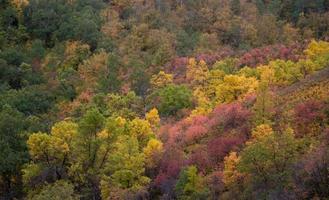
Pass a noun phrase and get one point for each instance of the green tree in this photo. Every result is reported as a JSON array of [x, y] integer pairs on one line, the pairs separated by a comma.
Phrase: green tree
[[125, 171], [57, 191], [170, 99], [190, 185], [13, 151], [268, 160]]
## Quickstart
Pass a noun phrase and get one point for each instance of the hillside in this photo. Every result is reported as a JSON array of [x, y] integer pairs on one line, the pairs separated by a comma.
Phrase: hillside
[[164, 99]]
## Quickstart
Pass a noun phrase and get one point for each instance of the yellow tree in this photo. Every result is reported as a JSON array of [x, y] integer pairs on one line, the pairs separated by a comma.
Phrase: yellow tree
[[196, 73], [124, 173], [141, 129], [153, 152], [94, 71], [161, 80], [53, 147], [50, 151], [235, 87], [153, 118], [231, 175], [319, 52], [260, 132], [264, 102]]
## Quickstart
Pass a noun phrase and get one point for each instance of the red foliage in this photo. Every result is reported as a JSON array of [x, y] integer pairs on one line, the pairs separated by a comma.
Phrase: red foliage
[[200, 159], [185, 131], [215, 183], [178, 65], [170, 166], [263, 55], [210, 59], [227, 117], [308, 116], [311, 172], [222, 146]]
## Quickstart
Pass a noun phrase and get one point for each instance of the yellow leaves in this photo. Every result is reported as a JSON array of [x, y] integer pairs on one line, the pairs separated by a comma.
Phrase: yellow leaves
[[120, 121], [142, 130], [94, 69], [104, 134], [230, 174], [30, 171], [161, 80], [316, 49], [19, 4], [203, 102], [260, 132], [267, 74], [196, 72], [235, 87], [153, 118], [65, 130], [318, 52], [47, 147], [153, 152], [39, 144]]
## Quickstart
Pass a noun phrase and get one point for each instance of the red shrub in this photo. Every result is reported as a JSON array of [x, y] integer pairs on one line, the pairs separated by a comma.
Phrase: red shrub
[[226, 117], [309, 117], [221, 146]]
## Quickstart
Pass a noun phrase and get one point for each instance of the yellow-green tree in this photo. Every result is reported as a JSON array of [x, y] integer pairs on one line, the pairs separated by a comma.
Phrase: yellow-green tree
[[196, 72], [231, 175], [191, 185], [94, 72], [153, 118], [318, 51], [235, 87], [268, 159], [124, 173], [153, 152], [161, 79], [141, 129]]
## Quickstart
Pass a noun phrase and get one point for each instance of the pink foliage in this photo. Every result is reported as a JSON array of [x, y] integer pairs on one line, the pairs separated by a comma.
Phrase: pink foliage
[[185, 131], [195, 132], [201, 160], [226, 117], [171, 164], [221, 146], [263, 55], [308, 113]]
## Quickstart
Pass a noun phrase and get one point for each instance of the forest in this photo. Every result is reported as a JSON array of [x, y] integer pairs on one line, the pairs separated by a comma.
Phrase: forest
[[164, 99]]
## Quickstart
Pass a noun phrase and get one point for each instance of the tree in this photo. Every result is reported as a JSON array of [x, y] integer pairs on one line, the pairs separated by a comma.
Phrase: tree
[[172, 99], [153, 118], [128, 106], [56, 191], [153, 153], [141, 129], [190, 185], [235, 87], [236, 7], [227, 65], [94, 72], [264, 104], [161, 80], [43, 18], [309, 118], [13, 152], [50, 154], [196, 72], [269, 161], [125, 171], [231, 175], [318, 52]]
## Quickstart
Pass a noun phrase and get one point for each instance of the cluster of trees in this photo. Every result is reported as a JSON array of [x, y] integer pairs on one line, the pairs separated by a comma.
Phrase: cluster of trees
[[164, 99]]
